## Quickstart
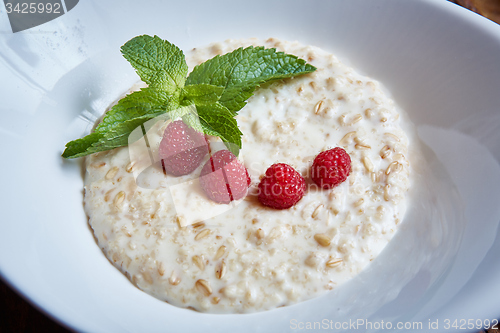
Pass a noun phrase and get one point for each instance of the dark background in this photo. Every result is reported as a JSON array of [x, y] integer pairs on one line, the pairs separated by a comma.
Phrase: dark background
[[17, 315]]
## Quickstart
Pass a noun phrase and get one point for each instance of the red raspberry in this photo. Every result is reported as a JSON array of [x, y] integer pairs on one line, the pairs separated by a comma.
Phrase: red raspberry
[[249, 180], [282, 187], [182, 148], [224, 178], [331, 167]]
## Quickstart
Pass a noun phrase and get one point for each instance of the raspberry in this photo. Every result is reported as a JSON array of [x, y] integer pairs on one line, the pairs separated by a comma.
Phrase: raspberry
[[249, 180], [282, 186], [181, 149], [224, 178], [331, 167]]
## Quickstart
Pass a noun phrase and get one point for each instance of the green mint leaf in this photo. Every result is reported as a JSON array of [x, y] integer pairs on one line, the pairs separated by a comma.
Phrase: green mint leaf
[[118, 136], [82, 147], [131, 111], [137, 104], [182, 111], [158, 63], [202, 94], [217, 120], [114, 137], [243, 70], [192, 120]]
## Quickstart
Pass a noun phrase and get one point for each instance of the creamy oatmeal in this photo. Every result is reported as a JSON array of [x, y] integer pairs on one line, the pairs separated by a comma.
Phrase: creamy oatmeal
[[248, 257]]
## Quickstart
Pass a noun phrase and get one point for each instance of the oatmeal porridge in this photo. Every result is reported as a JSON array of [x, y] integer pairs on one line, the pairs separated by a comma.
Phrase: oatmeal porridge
[[245, 257]]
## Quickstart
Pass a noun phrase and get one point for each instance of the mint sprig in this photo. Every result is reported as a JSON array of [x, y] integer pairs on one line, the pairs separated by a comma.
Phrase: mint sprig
[[218, 88]]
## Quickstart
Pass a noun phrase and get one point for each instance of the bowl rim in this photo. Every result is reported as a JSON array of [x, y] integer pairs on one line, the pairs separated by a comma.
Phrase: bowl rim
[[63, 318]]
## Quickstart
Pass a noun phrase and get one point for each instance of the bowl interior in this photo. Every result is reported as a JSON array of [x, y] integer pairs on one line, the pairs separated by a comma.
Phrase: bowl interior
[[438, 61]]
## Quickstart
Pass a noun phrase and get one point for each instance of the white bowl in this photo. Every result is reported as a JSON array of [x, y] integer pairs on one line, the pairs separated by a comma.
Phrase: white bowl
[[439, 61]]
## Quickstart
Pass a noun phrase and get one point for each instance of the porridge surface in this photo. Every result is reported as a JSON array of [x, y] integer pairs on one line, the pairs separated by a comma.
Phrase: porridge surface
[[248, 257]]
